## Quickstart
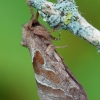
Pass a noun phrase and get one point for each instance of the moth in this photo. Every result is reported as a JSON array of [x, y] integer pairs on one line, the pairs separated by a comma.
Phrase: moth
[[53, 78]]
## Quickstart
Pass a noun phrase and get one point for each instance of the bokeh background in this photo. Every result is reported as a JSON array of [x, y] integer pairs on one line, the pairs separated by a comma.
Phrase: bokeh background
[[17, 80]]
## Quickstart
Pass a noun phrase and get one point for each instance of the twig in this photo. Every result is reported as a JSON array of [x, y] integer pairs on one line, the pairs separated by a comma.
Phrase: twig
[[54, 79], [65, 13]]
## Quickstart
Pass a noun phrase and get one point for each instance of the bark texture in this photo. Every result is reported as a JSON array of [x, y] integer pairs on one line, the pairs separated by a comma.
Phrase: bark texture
[[54, 79]]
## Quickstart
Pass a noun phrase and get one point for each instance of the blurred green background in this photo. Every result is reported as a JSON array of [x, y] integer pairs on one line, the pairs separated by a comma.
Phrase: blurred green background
[[17, 80]]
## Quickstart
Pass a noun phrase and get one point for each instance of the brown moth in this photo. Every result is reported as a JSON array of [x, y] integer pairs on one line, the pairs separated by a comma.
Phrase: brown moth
[[54, 79]]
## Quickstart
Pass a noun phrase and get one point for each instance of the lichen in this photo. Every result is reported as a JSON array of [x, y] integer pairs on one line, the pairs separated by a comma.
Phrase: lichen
[[36, 3], [74, 27], [54, 20], [68, 8], [67, 18], [65, 15]]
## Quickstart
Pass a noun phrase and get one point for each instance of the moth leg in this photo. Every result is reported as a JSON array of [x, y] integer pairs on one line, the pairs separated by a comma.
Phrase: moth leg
[[29, 26], [51, 52], [32, 19], [37, 16], [62, 46], [56, 30]]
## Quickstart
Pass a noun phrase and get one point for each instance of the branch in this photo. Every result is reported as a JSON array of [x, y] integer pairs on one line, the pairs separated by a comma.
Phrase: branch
[[54, 79], [65, 13]]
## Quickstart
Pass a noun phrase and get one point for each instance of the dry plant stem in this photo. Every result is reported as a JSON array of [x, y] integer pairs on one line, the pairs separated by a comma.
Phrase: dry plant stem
[[66, 13], [54, 79]]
